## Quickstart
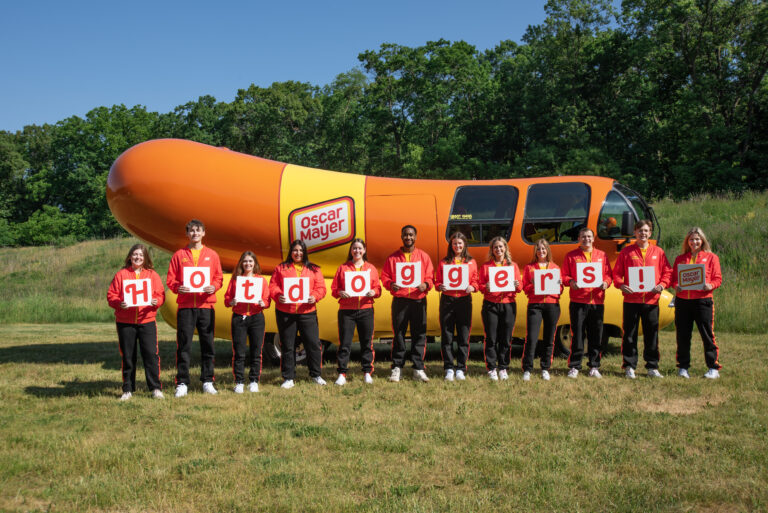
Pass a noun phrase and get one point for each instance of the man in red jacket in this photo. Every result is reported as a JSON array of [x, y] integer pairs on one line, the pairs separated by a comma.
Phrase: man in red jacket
[[195, 308], [587, 307], [409, 303], [641, 306]]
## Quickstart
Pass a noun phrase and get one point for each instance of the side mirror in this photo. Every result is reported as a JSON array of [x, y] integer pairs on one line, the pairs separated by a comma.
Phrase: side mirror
[[627, 223]]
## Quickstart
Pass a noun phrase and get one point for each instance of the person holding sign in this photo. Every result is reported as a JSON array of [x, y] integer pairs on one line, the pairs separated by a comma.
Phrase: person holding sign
[[136, 292], [247, 296], [296, 286], [587, 272], [695, 275], [356, 284], [456, 278], [408, 275], [499, 281], [641, 272], [194, 274], [543, 286]]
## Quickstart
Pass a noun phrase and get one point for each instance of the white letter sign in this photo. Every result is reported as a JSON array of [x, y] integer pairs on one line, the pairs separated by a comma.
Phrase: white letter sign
[[501, 278], [691, 276], [407, 274], [456, 276], [357, 283], [296, 290], [137, 292], [248, 289], [589, 274], [196, 278], [642, 279], [546, 282]]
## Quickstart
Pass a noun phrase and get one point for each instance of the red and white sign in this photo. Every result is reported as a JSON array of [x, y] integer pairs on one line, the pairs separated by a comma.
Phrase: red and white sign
[[324, 225], [641, 279], [589, 274], [408, 274], [137, 292], [357, 283], [546, 282], [197, 278], [296, 290], [456, 276], [691, 276], [249, 289], [501, 278]]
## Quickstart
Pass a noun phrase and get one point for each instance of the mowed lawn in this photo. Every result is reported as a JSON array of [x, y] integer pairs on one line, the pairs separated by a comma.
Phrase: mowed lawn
[[586, 445]]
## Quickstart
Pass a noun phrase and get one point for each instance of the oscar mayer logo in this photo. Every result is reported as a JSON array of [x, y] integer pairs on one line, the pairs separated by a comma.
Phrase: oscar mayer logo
[[324, 225]]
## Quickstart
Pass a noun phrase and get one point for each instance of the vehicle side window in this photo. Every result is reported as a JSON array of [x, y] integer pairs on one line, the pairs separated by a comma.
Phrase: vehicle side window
[[611, 215], [555, 212], [482, 212]]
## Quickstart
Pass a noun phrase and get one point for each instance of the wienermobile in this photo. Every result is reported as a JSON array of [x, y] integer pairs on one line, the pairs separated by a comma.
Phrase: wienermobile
[[250, 203]]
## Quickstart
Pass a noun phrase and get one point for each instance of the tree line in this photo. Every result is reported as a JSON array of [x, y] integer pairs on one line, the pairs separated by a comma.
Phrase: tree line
[[668, 97]]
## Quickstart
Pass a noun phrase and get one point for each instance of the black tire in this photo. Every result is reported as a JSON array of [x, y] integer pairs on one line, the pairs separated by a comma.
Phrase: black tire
[[563, 341]]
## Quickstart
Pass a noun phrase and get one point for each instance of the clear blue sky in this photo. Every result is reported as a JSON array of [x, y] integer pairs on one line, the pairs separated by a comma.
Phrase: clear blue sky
[[62, 59]]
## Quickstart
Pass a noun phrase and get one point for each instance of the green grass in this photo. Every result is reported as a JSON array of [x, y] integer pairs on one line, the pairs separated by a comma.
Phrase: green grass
[[68, 444]]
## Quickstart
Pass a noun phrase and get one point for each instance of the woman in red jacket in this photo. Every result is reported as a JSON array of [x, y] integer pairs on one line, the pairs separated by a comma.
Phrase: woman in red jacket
[[541, 308], [355, 311], [697, 305], [294, 317], [136, 324], [499, 307], [247, 321], [456, 306]]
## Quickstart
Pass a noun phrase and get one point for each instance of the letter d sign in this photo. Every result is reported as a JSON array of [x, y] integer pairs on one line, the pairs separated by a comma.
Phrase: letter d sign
[[296, 290]]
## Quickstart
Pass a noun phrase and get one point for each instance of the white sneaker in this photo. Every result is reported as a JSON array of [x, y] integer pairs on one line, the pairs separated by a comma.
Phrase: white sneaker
[[449, 375], [288, 383], [526, 376], [420, 375], [208, 388], [493, 375], [712, 374], [545, 375], [395, 375], [253, 387], [683, 373], [594, 373], [460, 376], [573, 373], [157, 394], [126, 396], [367, 378], [503, 375], [629, 372], [239, 388], [654, 373], [341, 380], [318, 380], [181, 390]]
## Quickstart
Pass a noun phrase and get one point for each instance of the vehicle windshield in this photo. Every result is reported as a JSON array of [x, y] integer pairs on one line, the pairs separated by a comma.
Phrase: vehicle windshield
[[624, 205]]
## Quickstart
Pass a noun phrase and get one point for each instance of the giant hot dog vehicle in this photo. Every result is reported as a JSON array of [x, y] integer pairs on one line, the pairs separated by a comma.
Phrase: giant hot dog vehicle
[[250, 203]]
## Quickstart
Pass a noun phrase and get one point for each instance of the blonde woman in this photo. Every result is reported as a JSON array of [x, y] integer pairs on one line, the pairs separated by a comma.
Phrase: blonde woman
[[697, 306]]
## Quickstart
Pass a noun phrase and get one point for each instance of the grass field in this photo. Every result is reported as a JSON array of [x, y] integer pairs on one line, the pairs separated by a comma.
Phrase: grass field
[[586, 445]]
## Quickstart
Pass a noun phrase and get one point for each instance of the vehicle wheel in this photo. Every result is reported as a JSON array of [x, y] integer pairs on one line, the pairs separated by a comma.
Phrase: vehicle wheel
[[271, 348], [563, 338]]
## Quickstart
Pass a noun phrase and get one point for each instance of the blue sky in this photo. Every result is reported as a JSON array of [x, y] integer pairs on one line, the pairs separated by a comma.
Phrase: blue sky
[[62, 59]]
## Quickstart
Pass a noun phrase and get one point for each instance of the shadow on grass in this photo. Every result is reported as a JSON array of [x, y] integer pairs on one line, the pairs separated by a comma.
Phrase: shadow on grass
[[76, 388]]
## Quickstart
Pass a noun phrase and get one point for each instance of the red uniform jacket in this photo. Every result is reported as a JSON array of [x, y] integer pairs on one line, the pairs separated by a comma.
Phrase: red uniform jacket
[[498, 297], [427, 273], [355, 303], [712, 274], [631, 256], [247, 308], [316, 287], [457, 293], [529, 288], [135, 314], [593, 296], [175, 279]]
